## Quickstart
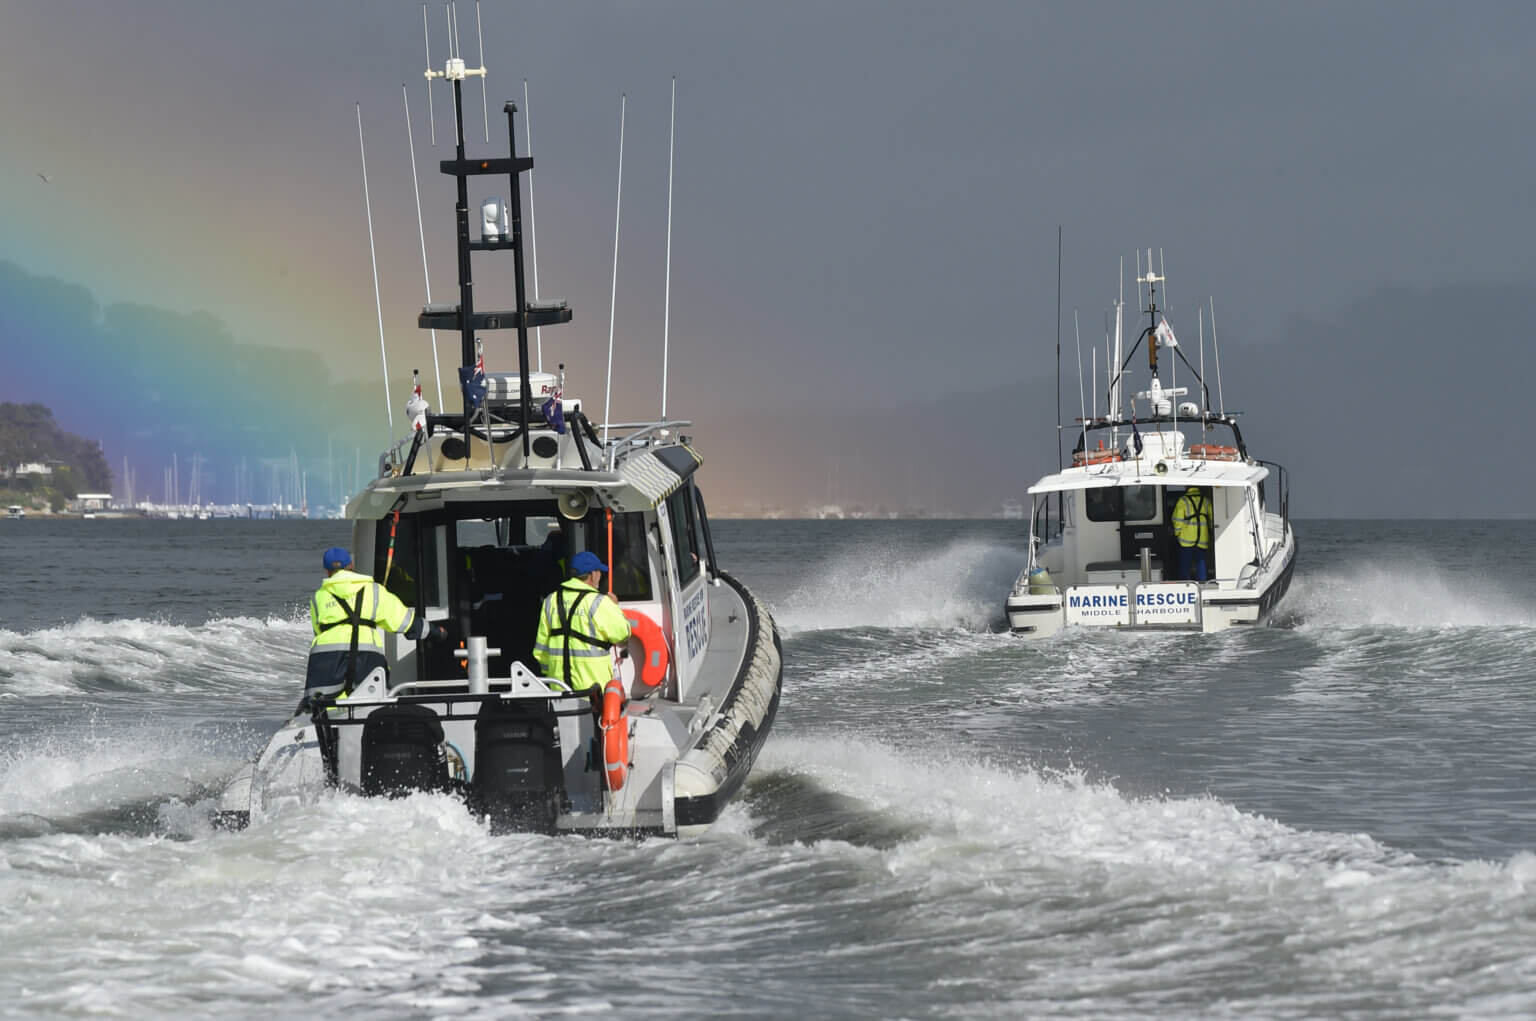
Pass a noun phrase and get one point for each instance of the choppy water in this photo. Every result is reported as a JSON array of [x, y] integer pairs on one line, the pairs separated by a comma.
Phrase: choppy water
[[1333, 817]]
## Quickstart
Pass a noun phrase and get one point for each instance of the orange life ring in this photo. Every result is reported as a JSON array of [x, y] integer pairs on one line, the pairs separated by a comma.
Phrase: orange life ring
[[1213, 452], [651, 665], [615, 736], [1082, 457]]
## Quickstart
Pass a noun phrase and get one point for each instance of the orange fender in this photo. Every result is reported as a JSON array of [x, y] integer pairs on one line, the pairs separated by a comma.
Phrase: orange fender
[[652, 662], [615, 736]]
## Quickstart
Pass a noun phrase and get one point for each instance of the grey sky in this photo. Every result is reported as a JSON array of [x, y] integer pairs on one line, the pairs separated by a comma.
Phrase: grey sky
[[868, 193]]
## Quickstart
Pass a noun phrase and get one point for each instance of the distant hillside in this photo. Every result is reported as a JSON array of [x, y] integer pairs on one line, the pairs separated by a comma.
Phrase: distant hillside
[[29, 434]]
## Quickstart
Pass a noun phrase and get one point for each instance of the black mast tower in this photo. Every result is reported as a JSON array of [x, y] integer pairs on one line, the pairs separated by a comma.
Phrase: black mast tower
[[463, 317]]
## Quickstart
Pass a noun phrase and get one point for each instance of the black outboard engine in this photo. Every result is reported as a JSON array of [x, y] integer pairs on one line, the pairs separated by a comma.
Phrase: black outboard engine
[[402, 751], [517, 780]]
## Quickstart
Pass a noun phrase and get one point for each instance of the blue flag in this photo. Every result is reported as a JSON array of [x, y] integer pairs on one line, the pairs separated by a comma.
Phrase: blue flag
[[472, 380], [1136, 438], [554, 412]]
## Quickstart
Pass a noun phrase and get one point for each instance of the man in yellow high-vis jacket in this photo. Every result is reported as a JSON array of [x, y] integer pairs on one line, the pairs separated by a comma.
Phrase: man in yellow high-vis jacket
[[577, 625], [1192, 529], [349, 614]]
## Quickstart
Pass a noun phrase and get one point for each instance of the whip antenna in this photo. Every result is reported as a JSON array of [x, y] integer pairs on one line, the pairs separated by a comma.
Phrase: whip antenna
[[613, 294], [431, 113], [422, 231], [485, 111], [378, 306], [533, 241], [1216, 350], [666, 316]]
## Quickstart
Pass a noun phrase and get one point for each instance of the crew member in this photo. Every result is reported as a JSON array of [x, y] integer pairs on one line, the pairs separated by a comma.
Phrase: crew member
[[1192, 531], [349, 614], [577, 624]]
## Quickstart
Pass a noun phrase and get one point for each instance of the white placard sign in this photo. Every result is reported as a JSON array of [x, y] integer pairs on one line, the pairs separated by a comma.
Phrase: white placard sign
[[1167, 602], [1098, 605]]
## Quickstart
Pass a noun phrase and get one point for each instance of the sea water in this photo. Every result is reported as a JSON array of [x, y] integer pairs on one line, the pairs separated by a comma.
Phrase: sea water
[[1330, 817]]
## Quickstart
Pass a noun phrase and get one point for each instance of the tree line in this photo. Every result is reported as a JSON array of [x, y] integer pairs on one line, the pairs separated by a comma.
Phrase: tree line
[[29, 434]]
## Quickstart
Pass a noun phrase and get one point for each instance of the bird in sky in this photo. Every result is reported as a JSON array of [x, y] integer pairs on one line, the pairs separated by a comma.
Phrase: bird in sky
[[43, 176]]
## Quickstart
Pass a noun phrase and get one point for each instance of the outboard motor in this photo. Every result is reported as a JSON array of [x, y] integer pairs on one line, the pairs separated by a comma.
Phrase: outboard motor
[[518, 781], [402, 751]]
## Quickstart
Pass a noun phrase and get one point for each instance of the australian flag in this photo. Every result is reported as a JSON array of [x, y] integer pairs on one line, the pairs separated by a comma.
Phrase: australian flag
[[1136, 443], [553, 413], [472, 380]]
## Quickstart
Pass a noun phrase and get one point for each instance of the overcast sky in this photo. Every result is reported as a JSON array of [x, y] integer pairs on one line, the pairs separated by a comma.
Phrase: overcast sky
[[867, 194]]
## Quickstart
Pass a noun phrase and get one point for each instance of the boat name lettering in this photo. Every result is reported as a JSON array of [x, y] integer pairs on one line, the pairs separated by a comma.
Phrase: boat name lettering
[[695, 624], [1088, 602], [1185, 598]]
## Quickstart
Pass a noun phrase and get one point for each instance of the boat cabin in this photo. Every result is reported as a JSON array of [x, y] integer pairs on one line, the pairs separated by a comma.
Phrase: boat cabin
[[482, 559]]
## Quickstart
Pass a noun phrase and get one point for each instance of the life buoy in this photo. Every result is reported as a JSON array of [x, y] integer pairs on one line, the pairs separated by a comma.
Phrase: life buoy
[[615, 736], [1213, 452], [1082, 457], [651, 664]]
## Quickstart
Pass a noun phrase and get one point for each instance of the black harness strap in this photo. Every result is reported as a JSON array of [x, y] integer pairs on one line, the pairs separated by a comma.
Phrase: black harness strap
[[567, 632], [354, 617], [1202, 513]]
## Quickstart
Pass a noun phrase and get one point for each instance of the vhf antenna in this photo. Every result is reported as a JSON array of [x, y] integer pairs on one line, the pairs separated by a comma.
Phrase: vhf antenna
[[456, 54]]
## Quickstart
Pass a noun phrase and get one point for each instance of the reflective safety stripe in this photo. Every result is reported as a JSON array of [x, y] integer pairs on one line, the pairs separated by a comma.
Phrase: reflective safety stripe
[[553, 652]]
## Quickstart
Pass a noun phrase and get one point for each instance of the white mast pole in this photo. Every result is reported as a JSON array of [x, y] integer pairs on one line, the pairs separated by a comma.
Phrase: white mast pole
[[533, 240], [485, 110], [389, 408], [1216, 350], [1082, 405], [613, 293], [1115, 399], [1162, 271], [421, 230], [427, 42], [666, 317], [1200, 317]]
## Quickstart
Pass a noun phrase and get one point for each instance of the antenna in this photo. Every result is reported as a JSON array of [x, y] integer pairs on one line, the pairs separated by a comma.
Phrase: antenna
[[666, 316], [533, 244], [1162, 268], [1082, 404], [431, 113], [613, 294], [485, 111], [1204, 403], [1058, 351], [1116, 391], [378, 306], [1216, 349], [422, 231]]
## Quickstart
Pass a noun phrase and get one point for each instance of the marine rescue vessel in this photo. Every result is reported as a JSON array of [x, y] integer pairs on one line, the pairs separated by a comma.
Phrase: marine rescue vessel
[[471, 521], [1103, 550]]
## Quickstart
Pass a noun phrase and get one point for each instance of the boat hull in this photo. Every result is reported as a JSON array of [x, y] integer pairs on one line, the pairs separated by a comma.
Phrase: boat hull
[[530, 759], [1132, 606]]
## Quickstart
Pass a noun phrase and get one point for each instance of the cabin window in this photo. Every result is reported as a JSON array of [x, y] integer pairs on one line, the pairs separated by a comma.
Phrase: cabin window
[[1103, 504], [1121, 503], [412, 573], [685, 534], [630, 565], [1140, 503]]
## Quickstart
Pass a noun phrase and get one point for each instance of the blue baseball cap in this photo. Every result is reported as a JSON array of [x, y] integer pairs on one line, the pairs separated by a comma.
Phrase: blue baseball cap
[[585, 563], [335, 557]]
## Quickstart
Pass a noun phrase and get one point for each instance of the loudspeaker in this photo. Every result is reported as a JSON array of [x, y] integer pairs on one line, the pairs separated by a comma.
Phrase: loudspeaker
[[574, 504]]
